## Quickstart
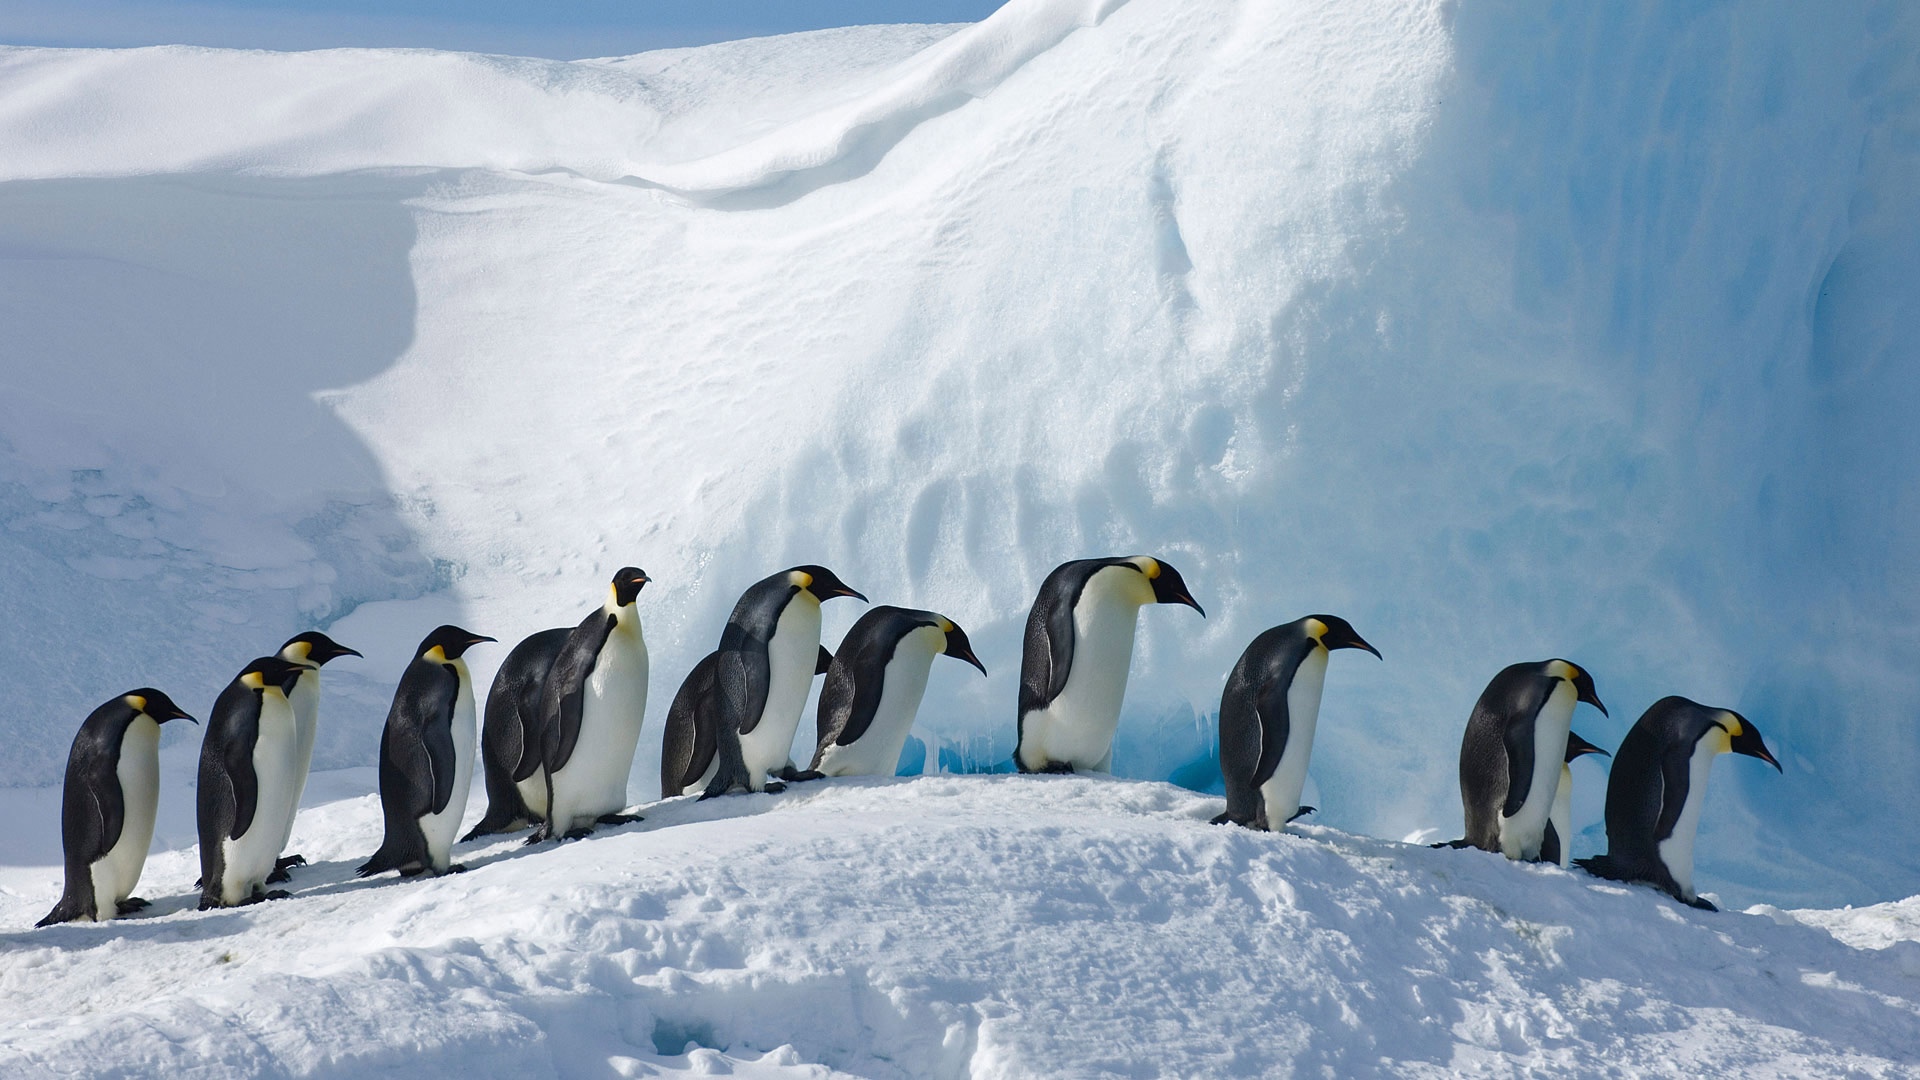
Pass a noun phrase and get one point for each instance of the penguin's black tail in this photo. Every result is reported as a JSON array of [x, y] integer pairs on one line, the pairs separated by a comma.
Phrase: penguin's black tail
[[72, 906], [1606, 866], [391, 856]]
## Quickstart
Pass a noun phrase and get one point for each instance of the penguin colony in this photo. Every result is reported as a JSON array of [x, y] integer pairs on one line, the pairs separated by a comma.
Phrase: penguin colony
[[564, 714]]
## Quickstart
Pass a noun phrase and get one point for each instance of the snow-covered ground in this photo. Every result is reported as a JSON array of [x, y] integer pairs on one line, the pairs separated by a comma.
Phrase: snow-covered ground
[[947, 926]]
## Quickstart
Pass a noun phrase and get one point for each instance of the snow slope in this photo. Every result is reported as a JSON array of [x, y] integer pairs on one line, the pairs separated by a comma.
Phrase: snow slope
[[944, 927], [1505, 330]]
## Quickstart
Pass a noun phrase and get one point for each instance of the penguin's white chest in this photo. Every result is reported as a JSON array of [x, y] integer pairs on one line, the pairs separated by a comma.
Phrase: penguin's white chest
[[305, 701], [1077, 727], [1521, 834], [792, 654], [440, 829], [903, 685], [612, 707], [1281, 792], [1676, 851], [116, 872], [248, 860]]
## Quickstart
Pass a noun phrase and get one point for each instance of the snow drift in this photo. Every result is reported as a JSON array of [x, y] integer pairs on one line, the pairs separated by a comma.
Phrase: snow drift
[[1503, 330]]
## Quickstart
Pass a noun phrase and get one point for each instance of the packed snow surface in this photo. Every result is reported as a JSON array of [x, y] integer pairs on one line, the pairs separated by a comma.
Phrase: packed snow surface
[[945, 926], [1505, 330]]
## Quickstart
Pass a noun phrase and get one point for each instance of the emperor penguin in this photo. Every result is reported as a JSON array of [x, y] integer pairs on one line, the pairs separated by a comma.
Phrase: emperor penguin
[[1079, 644], [510, 739], [247, 764], [1556, 846], [590, 712], [689, 750], [108, 805], [1267, 717], [1657, 787], [762, 671], [1513, 752], [874, 687], [426, 758], [311, 651]]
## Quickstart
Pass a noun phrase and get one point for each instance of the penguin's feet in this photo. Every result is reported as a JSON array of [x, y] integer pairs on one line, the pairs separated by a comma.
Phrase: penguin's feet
[[1303, 812], [1222, 819], [288, 862], [207, 903], [455, 868], [774, 787], [278, 894], [1455, 844], [580, 833], [619, 819], [796, 776], [131, 904], [1058, 768], [540, 835], [279, 874], [1703, 905]]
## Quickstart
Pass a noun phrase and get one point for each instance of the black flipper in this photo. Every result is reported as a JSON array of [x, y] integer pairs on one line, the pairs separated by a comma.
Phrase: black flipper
[[510, 738], [92, 809], [415, 751]]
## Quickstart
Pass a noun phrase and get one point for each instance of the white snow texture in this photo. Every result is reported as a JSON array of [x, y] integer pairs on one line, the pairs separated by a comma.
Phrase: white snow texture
[[1504, 330]]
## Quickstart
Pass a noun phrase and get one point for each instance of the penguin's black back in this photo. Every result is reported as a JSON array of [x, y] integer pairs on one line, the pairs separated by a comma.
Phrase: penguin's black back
[[510, 740], [1496, 753], [742, 669], [1647, 788], [92, 806], [564, 695], [1046, 657], [687, 748], [416, 763], [856, 677], [229, 792], [1254, 720]]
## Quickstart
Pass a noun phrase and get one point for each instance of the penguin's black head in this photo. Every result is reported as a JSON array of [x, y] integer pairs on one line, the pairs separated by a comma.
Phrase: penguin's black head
[[821, 582], [1339, 634], [1745, 738], [1168, 587], [1578, 747], [315, 648], [1582, 682], [271, 671], [626, 584], [155, 704], [448, 643], [958, 646]]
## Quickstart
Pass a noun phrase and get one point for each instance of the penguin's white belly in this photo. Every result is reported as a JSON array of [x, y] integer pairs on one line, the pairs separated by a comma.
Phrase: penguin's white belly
[[440, 829], [903, 685], [248, 860], [1077, 727], [1676, 851], [533, 791], [305, 700], [1521, 834], [1562, 816], [791, 657], [118, 871], [613, 703], [1281, 792]]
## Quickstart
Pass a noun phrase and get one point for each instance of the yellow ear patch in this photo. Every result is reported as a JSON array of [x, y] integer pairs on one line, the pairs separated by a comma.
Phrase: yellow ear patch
[[946, 625], [802, 579], [139, 703], [1151, 569], [1721, 740], [1732, 724], [1560, 669], [1316, 629], [253, 680], [300, 650], [436, 654]]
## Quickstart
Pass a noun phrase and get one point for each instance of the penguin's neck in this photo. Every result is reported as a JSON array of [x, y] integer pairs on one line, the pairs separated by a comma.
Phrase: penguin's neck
[[626, 618], [1676, 851]]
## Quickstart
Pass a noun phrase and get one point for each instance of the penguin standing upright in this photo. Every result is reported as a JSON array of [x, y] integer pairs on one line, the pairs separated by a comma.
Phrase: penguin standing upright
[[590, 713], [108, 805], [689, 747], [874, 686], [1513, 752], [1557, 846], [426, 758], [1079, 644], [311, 651], [1657, 787], [510, 739], [762, 672], [1267, 717], [247, 764]]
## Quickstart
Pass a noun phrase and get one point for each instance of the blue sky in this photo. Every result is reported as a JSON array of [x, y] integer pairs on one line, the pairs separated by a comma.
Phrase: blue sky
[[562, 29]]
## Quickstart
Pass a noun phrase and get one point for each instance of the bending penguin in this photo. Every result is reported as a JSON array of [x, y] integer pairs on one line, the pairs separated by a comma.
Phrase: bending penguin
[[762, 671], [108, 805], [1079, 643], [310, 651], [426, 758], [510, 739], [247, 764], [874, 688], [1267, 717], [1657, 787], [590, 712], [689, 749], [1556, 846], [1513, 753]]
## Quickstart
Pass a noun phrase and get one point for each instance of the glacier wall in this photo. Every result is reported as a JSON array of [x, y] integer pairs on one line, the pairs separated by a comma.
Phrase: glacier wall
[[1503, 330]]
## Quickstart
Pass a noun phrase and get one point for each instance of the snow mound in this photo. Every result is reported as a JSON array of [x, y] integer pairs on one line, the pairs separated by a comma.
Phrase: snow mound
[[944, 927], [1505, 331]]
